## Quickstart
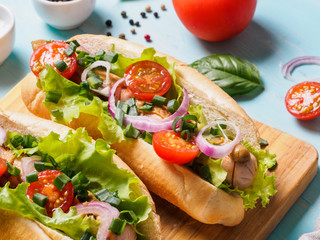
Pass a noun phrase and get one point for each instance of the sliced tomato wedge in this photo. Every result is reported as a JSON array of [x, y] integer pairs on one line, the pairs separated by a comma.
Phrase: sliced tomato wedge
[[146, 79], [57, 199], [3, 166], [48, 54], [303, 100], [171, 147]]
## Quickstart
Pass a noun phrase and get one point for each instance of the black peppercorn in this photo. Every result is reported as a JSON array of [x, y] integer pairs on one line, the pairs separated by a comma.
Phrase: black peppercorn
[[108, 23], [124, 14], [156, 15], [108, 34], [143, 14], [131, 22], [137, 24]]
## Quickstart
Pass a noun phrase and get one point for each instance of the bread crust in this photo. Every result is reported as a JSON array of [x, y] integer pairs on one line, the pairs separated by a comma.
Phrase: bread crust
[[37, 127], [173, 182]]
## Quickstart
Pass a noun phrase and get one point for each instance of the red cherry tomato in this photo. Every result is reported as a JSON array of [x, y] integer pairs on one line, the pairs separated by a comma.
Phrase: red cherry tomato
[[49, 54], [3, 166], [57, 199], [146, 79], [215, 20], [171, 147], [303, 100]]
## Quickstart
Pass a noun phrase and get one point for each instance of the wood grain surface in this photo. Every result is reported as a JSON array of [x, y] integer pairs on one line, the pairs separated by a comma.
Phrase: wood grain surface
[[297, 166]]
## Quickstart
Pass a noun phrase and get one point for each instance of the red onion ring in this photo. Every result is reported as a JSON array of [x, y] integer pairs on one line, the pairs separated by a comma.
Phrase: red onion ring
[[104, 89], [105, 211], [288, 68], [3, 136], [217, 151], [145, 123], [27, 165]]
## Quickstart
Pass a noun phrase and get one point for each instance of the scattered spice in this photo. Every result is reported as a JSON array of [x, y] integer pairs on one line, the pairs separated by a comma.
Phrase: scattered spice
[[137, 24], [124, 14], [108, 23], [131, 22], [147, 37], [133, 31], [156, 15], [143, 14], [108, 34], [122, 36], [148, 8], [163, 7]]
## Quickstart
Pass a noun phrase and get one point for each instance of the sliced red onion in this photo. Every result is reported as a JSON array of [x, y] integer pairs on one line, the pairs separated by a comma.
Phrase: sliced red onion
[[145, 123], [27, 165], [217, 151], [106, 213], [3, 136], [291, 65], [105, 88]]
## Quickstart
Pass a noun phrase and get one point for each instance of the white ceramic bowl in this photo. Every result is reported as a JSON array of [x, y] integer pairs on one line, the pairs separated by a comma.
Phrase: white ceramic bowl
[[64, 15], [6, 32]]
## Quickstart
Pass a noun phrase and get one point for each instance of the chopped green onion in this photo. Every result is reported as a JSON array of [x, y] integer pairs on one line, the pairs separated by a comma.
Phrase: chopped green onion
[[133, 111], [125, 108], [274, 166], [106, 196], [74, 43], [14, 171], [72, 48], [42, 166], [172, 105], [147, 137], [131, 132], [129, 216], [61, 181], [16, 140], [94, 80], [57, 113], [189, 122], [99, 55], [263, 142], [117, 226], [119, 114], [185, 135], [40, 199], [45, 157], [32, 177], [131, 102], [29, 141], [68, 172], [147, 107], [82, 195], [103, 194], [86, 236], [60, 65], [215, 131], [158, 100], [174, 124], [80, 181], [110, 57], [53, 97]]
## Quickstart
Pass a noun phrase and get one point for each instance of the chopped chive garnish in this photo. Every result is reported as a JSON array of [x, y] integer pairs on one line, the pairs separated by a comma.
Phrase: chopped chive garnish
[[87, 236], [42, 166], [133, 111], [14, 171], [147, 107], [82, 195], [129, 216], [125, 108], [158, 100], [189, 122], [146, 136], [68, 172], [53, 97], [131, 102], [40, 199], [29, 141], [185, 135], [80, 181], [117, 226], [32, 177], [69, 51], [16, 140], [174, 124], [131, 132], [110, 57], [274, 166], [263, 142], [172, 105], [119, 116], [103, 194], [61, 181], [94, 80], [45, 158], [60, 65], [106, 196], [57, 113]]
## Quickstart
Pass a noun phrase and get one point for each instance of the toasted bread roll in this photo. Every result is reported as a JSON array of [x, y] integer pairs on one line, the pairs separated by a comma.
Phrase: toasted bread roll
[[12, 224], [175, 183]]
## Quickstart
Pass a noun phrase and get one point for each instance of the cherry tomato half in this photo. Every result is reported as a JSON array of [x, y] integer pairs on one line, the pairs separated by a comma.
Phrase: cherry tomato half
[[303, 100], [171, 147], [57, 199], [215, 20], [48, 54], [3, 166], [146, 79]]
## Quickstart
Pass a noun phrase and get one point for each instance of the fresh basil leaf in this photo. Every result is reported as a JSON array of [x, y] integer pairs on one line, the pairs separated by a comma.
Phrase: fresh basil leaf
[[234, 75]]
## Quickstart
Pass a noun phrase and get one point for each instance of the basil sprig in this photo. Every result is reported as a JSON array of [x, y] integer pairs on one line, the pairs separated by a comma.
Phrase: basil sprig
[[234, 75]]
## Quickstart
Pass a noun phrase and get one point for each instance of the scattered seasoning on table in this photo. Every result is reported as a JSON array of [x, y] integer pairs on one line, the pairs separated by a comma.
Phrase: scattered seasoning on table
[[108, 23], [148, 8], [133, 31], [163, 7], [137, 24], [156, 15], [124, 14], [108, 34], [131, 22], [122, 36], [147, 37], [143, 14]]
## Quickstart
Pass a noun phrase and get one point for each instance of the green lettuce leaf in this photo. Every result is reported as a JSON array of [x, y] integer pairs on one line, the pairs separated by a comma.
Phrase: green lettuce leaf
[[217, 173], [198, 112], [71, 104], [18, 151], [69, 223]]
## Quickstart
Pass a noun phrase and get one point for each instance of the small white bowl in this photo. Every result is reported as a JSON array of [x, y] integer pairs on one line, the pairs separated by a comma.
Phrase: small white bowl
[[64, 15], [6, 32]]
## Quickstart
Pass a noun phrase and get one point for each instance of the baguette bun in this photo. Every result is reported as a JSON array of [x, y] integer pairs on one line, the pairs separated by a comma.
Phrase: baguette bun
[[174, 183], [12, 224]]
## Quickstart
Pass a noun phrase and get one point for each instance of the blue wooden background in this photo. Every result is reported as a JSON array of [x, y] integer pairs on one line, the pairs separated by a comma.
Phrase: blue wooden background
[[280, 30]]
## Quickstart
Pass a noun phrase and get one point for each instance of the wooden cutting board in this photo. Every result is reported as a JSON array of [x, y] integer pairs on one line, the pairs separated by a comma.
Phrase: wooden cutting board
[[297, 166]]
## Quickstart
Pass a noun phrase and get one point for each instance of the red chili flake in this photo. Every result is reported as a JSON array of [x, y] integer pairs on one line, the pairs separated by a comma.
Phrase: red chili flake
[[147, 37]]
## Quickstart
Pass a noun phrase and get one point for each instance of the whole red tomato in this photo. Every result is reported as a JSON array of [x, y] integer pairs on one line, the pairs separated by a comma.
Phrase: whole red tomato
[[215, 20]]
